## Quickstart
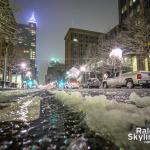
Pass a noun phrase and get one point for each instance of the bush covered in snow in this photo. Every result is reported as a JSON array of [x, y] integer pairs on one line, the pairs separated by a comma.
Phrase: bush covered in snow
[[110, 119]]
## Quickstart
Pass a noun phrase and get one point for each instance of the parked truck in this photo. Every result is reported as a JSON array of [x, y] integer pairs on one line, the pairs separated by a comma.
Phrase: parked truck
[[129, 79]]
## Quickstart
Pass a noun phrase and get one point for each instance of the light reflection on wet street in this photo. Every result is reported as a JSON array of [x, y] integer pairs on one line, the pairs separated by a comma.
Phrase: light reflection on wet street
[[55, 127]]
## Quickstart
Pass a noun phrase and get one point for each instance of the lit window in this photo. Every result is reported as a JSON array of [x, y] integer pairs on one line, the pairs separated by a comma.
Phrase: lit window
[[75, 40], [33, 32], [26, 51], [33, 44], [131, 2], [138, 8], [125, 8]]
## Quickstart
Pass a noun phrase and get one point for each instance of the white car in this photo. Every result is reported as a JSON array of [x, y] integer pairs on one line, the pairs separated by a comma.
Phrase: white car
[[129, 79]]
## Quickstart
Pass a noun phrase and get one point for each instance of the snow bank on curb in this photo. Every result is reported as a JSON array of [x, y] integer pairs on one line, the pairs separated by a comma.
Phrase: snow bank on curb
[[140, 101], [110, 119], [16, 92], [25, 109]]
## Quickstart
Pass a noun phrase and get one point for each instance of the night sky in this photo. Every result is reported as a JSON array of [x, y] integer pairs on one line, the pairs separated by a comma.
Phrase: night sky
[[55, 17]]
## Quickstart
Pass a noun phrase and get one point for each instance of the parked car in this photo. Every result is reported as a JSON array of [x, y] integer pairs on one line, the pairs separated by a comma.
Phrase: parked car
[[72, 84], [129, 79], [92, 83]]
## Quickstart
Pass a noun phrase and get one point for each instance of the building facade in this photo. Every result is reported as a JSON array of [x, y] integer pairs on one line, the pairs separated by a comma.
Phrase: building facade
[[129, 9], [7, 32], [76, 43], [55, 72], [25, 47]]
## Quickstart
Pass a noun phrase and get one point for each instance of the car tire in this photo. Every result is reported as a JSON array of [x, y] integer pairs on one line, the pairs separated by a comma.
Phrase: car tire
[[129, 84], [105, 86]]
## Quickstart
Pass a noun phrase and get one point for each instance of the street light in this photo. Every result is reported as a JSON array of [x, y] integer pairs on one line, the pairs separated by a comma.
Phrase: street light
[[82, 68], [114, 55], [23, 65], [28, 74]]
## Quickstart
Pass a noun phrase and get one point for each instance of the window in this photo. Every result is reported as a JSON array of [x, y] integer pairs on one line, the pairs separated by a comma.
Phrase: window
[[33, 44], [26, 51], [131, 2], [138, 8]]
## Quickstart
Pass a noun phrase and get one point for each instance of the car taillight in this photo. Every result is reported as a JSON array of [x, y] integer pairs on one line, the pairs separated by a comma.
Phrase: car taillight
[[139, 76]]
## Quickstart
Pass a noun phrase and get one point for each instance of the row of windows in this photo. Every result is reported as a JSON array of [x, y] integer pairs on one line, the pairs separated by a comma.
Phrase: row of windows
[[125, 7], [84, 37]]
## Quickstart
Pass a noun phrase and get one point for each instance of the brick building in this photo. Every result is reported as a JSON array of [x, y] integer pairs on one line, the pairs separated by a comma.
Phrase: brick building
[[76, 43]]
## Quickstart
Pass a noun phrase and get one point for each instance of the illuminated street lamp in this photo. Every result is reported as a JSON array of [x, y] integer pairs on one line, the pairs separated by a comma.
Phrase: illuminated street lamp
[[82, 68], [117, 53], [28, 74], [23, 65], [67, 72], [114, 55]]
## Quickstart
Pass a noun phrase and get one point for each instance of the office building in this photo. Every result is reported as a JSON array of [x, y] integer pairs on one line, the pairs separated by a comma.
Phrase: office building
[[55, 72], [26, 45], [129, 8], [76, 43]]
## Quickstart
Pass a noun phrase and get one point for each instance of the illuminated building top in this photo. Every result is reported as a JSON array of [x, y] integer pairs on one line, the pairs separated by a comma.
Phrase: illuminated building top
[[32, 19]]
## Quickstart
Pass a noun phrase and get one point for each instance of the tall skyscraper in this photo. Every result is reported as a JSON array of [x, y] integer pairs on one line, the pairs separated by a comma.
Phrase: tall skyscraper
[[26, 45]]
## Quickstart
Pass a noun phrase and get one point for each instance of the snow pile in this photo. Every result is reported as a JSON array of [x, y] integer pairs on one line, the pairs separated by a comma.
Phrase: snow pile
[[110, 119], [73, 99], [25, 109], [140, 101], [17, 92]]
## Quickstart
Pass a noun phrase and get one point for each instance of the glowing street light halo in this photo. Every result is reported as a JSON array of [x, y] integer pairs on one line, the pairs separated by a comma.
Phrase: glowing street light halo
[[23, 65], [117, 52], [83, 68], [28, 74]]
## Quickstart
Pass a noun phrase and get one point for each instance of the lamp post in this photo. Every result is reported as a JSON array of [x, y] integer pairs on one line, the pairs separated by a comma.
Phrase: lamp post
[[83, 70], [28, 74], [115, 54], [5, 62], [23, 67]]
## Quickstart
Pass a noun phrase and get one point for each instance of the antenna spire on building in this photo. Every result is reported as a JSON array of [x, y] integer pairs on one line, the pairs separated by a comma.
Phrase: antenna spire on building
[[32, 19]]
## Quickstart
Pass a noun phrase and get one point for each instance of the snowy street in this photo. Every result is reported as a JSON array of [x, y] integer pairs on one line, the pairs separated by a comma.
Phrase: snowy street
[[64, 119]]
